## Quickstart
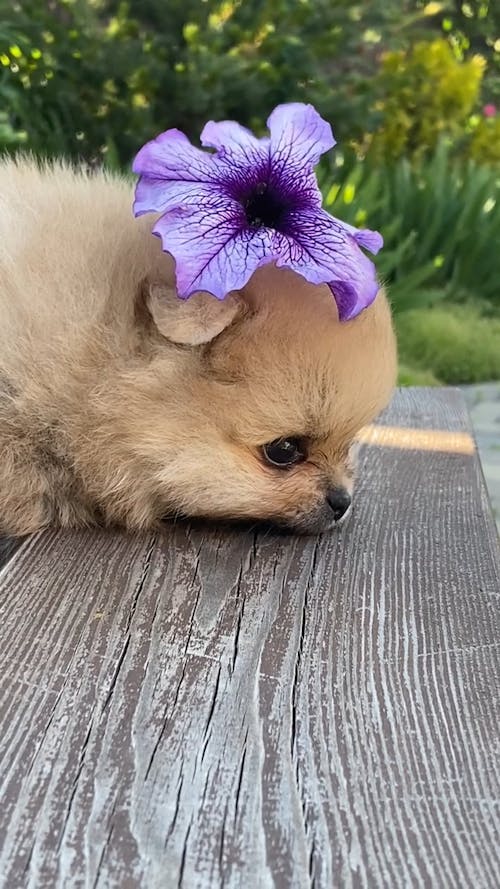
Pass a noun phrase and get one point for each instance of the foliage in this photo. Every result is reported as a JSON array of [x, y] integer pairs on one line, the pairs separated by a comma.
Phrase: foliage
[[454, 345], [85, 76], [484, 144], [440, 221], [429, 92], [474, 27], [94, 77]]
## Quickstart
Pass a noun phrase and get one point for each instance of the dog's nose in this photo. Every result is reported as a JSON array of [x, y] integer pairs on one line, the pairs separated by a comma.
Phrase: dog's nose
[[339, 501]]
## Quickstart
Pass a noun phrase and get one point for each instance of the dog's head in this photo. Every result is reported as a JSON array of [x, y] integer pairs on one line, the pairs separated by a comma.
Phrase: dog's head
[[248, 408]]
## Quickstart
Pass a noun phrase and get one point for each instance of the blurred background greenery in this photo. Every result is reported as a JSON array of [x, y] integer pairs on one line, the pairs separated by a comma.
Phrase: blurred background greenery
[[411, 88]]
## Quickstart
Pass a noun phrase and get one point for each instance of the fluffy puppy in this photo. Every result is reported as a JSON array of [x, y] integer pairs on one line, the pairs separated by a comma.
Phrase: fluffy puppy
[[120, 403]]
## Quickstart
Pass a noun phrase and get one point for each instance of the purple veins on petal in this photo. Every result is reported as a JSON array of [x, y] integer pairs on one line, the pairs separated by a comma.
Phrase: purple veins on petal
[[319, 248], [234, 142], [172, 157], [162, 196], [215, 251], [299, 136]]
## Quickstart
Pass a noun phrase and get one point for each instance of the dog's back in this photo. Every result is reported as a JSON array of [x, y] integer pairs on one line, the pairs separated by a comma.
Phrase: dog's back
[[70, 252]]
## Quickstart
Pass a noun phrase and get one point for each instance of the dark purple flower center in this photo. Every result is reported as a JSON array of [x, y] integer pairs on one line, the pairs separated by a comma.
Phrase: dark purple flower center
[[263, 207]]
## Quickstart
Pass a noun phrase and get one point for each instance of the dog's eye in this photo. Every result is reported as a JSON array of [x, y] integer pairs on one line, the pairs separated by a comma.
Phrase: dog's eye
[[284, 452]]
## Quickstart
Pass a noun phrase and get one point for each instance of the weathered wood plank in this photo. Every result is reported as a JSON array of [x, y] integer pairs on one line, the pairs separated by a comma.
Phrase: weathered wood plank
[[209, 708]]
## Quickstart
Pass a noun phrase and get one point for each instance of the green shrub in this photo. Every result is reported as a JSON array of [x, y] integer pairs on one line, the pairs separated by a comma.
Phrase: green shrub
[[93, 78], [484, 146], [427, 92], [454, 345], [87, 77]]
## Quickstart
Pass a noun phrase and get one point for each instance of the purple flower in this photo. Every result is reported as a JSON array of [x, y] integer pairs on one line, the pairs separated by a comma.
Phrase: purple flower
[[249, 202]]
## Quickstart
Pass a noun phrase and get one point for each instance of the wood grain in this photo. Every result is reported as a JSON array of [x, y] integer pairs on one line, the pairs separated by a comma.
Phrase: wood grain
[[211, 708]]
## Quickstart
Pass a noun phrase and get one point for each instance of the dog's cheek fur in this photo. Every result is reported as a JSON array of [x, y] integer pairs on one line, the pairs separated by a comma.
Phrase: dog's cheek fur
[[163, 443], [241, 488], [140, 472]]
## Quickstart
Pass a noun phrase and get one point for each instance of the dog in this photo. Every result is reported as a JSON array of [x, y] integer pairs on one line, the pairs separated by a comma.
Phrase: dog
[[121, 404]]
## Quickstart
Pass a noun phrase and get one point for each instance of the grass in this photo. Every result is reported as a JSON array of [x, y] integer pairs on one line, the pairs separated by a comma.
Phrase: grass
[[413, 376], [448, 344]]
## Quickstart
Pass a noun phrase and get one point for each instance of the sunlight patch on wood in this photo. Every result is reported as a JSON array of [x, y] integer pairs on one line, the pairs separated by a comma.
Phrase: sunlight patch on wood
[[409, 439]]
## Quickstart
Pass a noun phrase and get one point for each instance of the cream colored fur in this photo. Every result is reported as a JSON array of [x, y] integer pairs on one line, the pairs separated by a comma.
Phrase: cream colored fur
[[119, 403]]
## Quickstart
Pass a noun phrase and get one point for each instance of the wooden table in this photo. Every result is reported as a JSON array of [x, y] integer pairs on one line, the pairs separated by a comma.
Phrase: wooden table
[[207, 708]]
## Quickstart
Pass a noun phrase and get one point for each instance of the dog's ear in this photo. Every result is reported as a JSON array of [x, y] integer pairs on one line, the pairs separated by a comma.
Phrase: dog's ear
[[192, 321]]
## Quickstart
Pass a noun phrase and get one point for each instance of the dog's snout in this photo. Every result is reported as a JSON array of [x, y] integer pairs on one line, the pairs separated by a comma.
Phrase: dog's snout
[[339, 501]]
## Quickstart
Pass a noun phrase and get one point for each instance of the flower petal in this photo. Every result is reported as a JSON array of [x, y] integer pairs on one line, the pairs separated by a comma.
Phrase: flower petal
[[232, 140], [158, 195], [318, 247], [213, 248], [299, 136], [365, 237], [172, 157]]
